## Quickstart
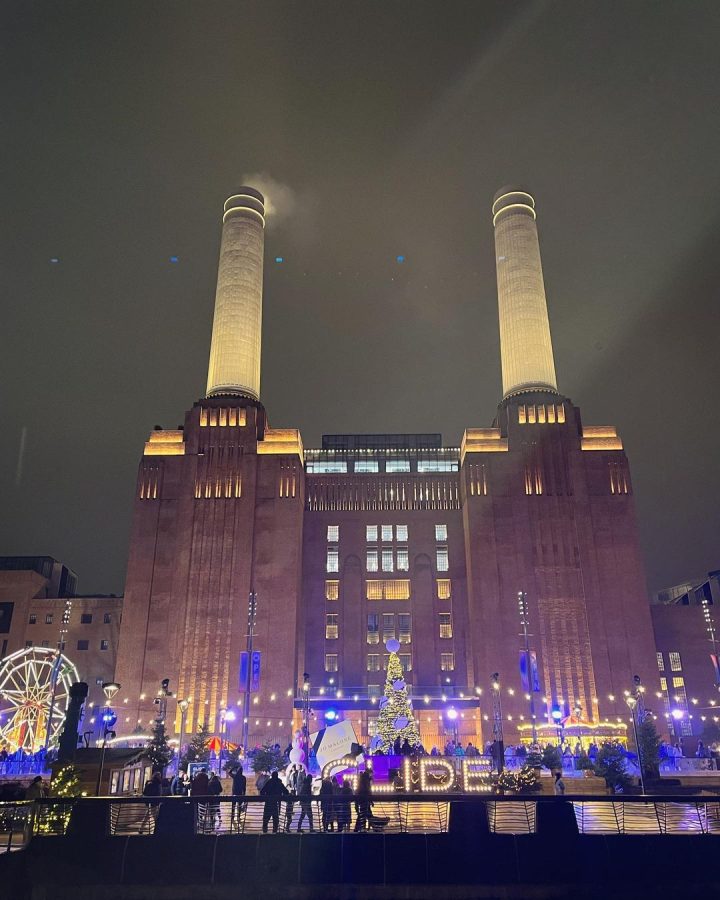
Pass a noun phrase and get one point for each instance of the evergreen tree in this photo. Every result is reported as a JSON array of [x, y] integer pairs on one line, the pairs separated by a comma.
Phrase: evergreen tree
[[65, 785], [649, 749], [396, 719], [552, 757], [158, 750], [267, 758], [197, 749], [610, 765]]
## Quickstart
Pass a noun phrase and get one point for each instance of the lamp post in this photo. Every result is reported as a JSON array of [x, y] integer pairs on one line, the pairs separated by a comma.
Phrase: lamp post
[[497, 723], [524, 624], [252, 610], [556, 714], [632, 703], [306, 717], [183, 704], [108, 718], [452, 714], [223, 714]]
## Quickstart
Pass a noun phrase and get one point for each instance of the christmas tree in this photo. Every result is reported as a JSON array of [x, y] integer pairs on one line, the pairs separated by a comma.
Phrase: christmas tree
[[158, 750], [396, 719], [197, 750], [53, 819]]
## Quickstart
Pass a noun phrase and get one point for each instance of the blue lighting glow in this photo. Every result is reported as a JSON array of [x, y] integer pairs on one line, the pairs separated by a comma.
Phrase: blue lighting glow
[[279, 259], [331, 715], [174, 259], [556, 713], [400, 259], [54, 260]]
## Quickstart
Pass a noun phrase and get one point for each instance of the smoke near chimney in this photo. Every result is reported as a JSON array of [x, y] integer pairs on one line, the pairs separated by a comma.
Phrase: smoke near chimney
[[281, 200]]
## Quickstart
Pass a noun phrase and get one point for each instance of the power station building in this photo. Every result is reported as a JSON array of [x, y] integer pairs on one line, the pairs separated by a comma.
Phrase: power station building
[[329, 552]]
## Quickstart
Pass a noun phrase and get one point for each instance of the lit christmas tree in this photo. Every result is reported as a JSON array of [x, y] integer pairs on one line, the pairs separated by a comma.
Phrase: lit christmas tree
[[396, 719], [158, 750]]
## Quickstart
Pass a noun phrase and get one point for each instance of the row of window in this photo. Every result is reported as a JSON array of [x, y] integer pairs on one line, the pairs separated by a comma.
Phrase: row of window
[[447, 663], [389, 631], [372, 466], [81, 645], [674, 659], [396, 589], [386, 533], [391, 559], [85, 618]]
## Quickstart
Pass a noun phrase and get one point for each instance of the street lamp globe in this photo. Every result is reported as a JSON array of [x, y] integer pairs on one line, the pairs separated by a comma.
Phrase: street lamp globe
[[110, 688]]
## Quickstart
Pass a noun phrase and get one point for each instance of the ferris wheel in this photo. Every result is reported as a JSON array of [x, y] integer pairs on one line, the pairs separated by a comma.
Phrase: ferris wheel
[[30, 681]]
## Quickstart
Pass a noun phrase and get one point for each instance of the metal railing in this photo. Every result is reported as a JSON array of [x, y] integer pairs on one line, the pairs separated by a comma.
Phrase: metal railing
[[390, 814]]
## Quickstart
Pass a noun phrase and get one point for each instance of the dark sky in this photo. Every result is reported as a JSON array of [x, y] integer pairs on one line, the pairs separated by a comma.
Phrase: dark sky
[[389, 126]]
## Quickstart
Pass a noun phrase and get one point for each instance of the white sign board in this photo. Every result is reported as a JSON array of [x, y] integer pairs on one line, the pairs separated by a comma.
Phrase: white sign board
[[335, 742]]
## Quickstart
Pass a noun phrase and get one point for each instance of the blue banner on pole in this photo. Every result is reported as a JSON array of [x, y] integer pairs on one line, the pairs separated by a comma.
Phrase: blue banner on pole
[[529, 671], [255, 671], [243, 679]]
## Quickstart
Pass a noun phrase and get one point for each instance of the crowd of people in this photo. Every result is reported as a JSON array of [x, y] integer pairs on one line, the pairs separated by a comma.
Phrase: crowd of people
[[296, 788]]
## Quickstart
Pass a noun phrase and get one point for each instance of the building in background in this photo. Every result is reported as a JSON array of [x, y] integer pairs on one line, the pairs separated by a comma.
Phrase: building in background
[[684, 622], [39, 607], [309, 560]]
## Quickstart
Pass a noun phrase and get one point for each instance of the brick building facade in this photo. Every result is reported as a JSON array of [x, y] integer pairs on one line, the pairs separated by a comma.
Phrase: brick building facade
[[372, 536]]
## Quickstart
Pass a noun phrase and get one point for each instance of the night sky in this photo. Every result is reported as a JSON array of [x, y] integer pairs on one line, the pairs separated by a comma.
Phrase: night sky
[[378, 129]]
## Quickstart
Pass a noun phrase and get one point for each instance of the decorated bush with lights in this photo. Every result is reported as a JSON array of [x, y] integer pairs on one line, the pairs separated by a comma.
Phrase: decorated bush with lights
[[197, 749], [396, 719], [65, 785]]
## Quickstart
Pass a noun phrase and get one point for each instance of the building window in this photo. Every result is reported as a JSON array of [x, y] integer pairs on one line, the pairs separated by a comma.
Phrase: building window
[[447, 662], [100, 681], [331, 662], [445, 625], [104, 645], [406, 661], [404, 629], [443, 588], [45, 644], [327, 467], [366, 465], [332, 590], [107, 618], [371, 560], [49, 619], [371, 533], [83, 645], [660, 661], [386, 661], [373, 662], [386, 532], [441, 557], [403, 559], [86, 619], [373, 628], [333, 560], [397, 465], [388, 626], [28, 644], [401, 533], [437, 465], [387, 559], [675, 661], [333, 534], [32, 620], [441, 532], [331, 626], [373, 691], [388, 589]]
